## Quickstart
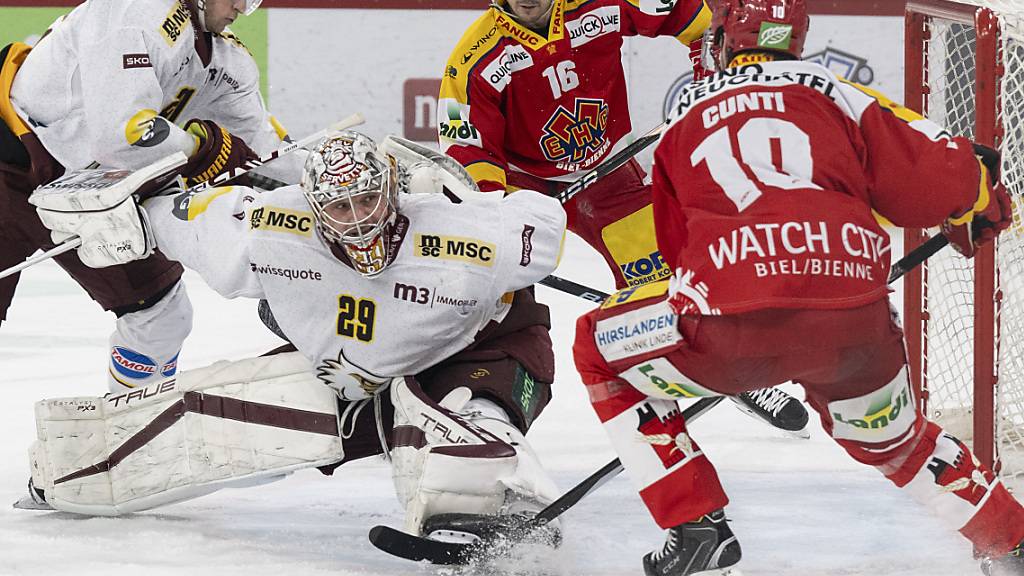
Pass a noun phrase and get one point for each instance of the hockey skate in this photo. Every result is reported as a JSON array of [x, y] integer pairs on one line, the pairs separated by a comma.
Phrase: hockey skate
[[704, 547], [775, 408], [35, 500], [1011, 564]]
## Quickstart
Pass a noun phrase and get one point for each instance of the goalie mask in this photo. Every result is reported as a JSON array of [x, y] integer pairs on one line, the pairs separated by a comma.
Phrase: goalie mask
[[353, 191], [778, 26]]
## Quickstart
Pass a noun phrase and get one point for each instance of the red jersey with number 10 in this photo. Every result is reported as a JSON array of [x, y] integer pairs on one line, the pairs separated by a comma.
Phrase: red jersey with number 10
[[765, 182], [549, 106]]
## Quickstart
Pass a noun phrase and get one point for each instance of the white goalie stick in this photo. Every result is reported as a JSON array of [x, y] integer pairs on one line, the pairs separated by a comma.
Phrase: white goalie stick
[[418, 548], [165, 164]]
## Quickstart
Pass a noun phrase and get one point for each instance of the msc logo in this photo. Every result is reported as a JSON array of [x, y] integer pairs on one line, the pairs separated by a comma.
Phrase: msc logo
[[574, 135], [274, 219], [639, 271], [455, 248], [174, 23]]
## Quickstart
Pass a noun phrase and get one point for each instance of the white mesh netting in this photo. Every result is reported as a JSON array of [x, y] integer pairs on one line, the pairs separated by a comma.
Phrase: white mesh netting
[[950, 73]]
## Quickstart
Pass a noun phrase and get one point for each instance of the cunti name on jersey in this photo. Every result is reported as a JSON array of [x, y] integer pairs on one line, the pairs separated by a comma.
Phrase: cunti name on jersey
[[751, 74]]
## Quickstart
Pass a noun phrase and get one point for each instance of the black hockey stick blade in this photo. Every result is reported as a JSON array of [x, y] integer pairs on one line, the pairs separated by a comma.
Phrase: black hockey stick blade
[[419, 548], [612, 164]]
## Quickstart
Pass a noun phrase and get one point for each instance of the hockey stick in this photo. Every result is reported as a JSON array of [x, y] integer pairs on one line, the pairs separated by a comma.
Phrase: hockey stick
[[612, 164], [419, 548], [912, 260], [74, 242]]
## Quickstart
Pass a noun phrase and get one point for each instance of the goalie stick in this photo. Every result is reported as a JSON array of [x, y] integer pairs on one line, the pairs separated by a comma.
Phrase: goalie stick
[[419, 548], [74, 242]]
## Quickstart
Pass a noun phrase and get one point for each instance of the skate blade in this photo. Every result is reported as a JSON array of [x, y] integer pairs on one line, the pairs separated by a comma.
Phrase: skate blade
[[720, 572], [27, 503]]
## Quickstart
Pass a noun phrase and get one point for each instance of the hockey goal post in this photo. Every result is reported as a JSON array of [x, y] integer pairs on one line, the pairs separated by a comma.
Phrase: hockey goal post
[[964, 319]]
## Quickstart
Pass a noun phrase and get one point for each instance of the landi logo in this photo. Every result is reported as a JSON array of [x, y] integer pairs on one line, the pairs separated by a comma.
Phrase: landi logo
[[419, 118]]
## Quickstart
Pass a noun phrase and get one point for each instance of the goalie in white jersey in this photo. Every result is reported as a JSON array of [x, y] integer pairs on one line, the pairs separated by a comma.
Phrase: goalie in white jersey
[[113, 82], [396, 300]]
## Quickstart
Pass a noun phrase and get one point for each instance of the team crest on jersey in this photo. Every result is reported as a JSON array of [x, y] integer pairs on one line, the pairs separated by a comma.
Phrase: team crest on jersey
[[571, 136], [665, 433]]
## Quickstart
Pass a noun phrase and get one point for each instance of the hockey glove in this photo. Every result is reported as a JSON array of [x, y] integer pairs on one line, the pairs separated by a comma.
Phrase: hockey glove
[[113, 236], [700, 71], [992, 211], [218, 152]]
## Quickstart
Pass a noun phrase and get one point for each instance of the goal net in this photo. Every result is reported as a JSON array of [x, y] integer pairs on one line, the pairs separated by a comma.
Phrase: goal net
[[964, 319]]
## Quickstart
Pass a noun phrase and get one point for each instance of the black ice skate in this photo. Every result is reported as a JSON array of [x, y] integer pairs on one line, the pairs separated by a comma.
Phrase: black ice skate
[[775, 408], [703, 547], [1011, 564]]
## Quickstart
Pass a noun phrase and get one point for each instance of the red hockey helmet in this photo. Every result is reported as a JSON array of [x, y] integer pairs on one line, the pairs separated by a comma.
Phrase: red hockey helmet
[[764, 25]]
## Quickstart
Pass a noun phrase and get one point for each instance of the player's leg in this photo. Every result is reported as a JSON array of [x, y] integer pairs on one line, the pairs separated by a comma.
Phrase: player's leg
[[499, 386], [868, 405], [635, 402], [154, 315]]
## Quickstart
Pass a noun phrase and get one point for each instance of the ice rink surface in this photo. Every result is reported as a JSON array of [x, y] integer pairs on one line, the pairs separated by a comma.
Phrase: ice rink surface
[[799, 508]]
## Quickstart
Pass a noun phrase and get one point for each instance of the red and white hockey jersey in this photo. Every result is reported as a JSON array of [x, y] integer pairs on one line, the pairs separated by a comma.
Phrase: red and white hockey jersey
[[765, 182], [549, 105]]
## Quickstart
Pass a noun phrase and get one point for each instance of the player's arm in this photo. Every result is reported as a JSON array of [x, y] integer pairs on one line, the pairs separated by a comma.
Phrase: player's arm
[[919, 175], [122, 100], [533, 231], [686, 20], [209, 233], [470, 120]]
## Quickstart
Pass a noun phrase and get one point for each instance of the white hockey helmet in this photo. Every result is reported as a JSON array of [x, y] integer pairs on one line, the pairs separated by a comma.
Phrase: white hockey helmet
[[353, 191], [250, 7]]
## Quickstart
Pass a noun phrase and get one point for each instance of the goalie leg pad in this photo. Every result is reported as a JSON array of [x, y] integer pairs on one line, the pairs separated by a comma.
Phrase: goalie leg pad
[[229, 424], [446, 461]]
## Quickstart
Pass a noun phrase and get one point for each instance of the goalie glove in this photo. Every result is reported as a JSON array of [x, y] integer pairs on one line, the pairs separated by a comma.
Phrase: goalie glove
[[99, 207], [218, 152], [992, 211], [428, 171]]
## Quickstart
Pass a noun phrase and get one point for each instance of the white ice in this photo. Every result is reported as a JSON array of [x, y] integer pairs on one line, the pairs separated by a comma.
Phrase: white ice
[[799, 508]]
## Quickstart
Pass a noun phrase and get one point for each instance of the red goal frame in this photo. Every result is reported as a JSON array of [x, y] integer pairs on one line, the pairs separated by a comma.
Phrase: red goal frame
[[989, 69]]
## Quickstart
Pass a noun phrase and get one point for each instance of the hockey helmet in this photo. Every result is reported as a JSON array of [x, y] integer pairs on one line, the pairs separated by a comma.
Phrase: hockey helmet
[[353, 191], [250, 7], [763, 25]]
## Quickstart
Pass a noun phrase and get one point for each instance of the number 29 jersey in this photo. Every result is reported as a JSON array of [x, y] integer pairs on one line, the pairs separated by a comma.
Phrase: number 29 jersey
[[766, 185], [453, 267]]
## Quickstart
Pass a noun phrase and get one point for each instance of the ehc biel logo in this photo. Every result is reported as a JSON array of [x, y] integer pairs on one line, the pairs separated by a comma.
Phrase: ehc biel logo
[[573, 135]]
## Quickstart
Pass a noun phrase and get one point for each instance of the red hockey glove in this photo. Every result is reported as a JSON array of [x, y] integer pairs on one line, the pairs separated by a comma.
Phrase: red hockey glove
[[218, 152], [991, 214], [700, 72]]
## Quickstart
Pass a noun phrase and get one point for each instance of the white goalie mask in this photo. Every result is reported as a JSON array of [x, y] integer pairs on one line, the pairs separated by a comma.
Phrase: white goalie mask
[[353, 191]]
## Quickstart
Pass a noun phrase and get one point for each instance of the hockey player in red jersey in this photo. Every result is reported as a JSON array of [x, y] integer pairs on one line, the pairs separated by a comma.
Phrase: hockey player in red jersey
[[535, 93], [764, 187]]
